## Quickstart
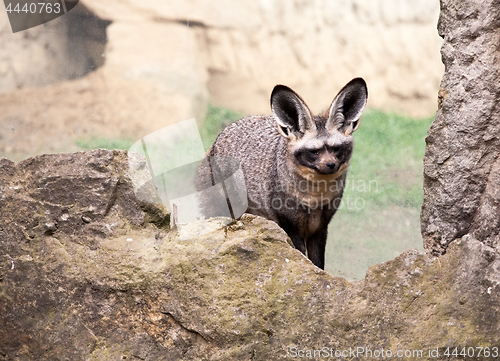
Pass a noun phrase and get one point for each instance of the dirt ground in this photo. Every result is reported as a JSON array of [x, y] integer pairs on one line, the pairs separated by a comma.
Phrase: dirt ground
[[51, 119]]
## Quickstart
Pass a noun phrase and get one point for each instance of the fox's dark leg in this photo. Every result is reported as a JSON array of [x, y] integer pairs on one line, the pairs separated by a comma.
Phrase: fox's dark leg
[[298, 242], [292, 231], [316, 245]]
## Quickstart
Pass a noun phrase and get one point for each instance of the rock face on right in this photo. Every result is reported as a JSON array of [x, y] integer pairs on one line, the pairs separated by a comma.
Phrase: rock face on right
[[461, 164]]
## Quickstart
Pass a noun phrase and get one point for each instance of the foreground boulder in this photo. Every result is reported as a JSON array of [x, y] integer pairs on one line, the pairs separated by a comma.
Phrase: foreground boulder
[[88, 272]]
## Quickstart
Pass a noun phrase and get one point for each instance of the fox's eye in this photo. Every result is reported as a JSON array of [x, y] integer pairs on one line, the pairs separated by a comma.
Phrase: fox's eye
[[313, 151]]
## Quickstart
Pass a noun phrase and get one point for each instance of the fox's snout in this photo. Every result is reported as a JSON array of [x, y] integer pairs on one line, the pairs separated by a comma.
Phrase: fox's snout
[[327, 168], [325, 163]]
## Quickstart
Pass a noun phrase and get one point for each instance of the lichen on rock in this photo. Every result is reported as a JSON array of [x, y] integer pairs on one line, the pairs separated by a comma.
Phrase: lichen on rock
[[137, 289]]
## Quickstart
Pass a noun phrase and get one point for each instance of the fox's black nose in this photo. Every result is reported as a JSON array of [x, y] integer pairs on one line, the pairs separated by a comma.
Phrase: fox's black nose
[[330, 165]]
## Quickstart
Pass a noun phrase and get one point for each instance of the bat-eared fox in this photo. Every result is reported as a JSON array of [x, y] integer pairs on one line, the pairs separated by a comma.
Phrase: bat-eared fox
[[295, 164]]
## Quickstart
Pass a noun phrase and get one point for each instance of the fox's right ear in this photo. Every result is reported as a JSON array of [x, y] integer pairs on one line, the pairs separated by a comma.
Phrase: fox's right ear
[[291, 112]]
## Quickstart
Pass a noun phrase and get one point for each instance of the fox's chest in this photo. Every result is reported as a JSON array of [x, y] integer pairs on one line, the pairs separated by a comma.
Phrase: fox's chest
[[319, 191], [313, 222], [319, 199]]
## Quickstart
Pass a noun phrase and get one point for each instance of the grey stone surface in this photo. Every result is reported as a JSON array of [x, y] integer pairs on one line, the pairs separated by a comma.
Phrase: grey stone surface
[[461, 165]]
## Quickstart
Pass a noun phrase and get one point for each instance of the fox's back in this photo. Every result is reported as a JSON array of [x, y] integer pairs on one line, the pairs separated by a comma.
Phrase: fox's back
[[255, 142], [254, 137]]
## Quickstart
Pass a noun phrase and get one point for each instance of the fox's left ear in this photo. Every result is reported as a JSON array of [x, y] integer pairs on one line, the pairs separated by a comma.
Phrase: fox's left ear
[[347, 106]]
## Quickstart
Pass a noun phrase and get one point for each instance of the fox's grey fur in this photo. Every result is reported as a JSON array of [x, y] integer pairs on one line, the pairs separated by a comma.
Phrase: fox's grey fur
[[295, 164]]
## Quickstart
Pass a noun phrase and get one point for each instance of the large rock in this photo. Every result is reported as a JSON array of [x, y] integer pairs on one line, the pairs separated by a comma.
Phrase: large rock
[[318, 46], [119, 285], [461, 165], [67, 48], [101, 73], [314, 47], [78, 196], [124, 69]]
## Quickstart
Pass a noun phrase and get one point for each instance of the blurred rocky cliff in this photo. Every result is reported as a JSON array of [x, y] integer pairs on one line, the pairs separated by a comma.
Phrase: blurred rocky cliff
[[124, 69]]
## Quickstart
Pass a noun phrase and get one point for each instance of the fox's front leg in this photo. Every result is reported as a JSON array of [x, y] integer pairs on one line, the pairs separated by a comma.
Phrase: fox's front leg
[[316, 245], [298, 241]]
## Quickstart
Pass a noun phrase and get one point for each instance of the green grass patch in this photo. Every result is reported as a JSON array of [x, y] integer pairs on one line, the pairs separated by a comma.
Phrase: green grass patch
[[217, 119], [103, 143], [379, 217], [389, 150]]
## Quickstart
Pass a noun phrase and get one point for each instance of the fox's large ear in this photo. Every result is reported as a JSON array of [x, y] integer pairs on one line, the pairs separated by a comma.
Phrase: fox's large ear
[[291, 112], [347, 106]]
